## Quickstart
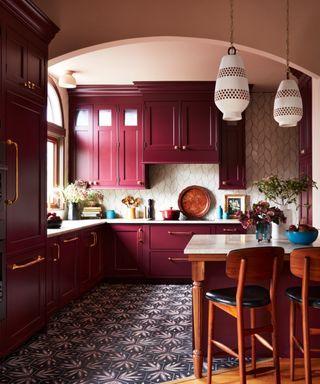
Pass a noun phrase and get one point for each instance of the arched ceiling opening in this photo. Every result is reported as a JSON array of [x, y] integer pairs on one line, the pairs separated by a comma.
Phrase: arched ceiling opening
[[258, 24], [164, 59]]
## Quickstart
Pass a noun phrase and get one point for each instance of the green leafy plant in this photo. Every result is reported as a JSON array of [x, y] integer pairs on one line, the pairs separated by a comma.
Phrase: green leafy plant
[[284, 191]]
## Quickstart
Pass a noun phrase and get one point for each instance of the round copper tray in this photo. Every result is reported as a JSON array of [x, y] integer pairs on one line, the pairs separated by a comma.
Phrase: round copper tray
[[194, 202]]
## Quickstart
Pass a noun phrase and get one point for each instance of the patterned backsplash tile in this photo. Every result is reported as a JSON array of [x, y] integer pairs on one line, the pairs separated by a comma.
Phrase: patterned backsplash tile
[[269, 150]]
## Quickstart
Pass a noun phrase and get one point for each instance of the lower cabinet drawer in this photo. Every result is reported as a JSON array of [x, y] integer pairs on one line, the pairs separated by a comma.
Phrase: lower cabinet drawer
[[229, 229], [174, 236], [169, 264]]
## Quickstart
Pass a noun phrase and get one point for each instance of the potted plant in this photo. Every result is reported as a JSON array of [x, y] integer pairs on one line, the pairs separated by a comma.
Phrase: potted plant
[[284, 192], [132, 203], [261, 216]]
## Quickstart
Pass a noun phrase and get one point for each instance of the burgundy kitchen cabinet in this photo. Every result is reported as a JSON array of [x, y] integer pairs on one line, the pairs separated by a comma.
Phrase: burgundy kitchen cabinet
[[25, 296], [180, 132], [169, 264], [52, 275], [127, 248], [26, 178], [105, 143], [90, 258], [232, 167], [305, 169], [131, 170], [81, 156], [68, 268], [305, 124]]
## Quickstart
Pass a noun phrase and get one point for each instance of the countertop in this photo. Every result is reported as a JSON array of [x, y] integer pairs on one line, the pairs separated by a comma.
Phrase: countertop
[[223, 244], [73, 225]]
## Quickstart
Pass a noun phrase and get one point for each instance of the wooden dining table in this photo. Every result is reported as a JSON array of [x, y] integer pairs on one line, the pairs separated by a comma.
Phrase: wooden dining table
[[203, 249]]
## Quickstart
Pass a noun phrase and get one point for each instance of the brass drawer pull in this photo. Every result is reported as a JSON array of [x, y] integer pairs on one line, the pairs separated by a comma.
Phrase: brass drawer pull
[[140, 236], [174, 259], [180, 233], [39, 259], [95, 240], [16, 193], [55, 259], [70, 240], [229, 230]]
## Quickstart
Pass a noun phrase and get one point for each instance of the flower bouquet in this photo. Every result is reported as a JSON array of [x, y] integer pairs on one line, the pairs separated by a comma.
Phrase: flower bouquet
[[261, 216], [132, 203]]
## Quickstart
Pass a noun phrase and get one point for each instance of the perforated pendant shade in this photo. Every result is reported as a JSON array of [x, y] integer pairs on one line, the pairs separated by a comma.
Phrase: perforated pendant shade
[[232, 90], [288, 108]]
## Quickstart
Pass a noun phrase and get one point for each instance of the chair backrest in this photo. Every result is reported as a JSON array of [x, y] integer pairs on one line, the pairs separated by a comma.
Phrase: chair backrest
[[260, 262], [297, 262]]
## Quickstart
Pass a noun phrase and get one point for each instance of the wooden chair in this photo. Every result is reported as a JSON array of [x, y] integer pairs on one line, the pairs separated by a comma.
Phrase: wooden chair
[[248, 265], [305, 264]]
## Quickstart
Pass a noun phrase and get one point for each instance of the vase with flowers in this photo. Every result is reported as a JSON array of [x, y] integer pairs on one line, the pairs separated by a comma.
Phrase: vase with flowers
[[261, 216], [284, 193], [132, 203]]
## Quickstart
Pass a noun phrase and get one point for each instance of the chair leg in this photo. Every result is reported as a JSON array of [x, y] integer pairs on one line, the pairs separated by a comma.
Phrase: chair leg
[[292, 334], [241, 346], [306, 343], [210, 337], [276, 360], [253, 340]]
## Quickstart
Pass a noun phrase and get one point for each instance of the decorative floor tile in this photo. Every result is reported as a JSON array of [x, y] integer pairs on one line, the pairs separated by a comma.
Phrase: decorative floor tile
[[118, 333]]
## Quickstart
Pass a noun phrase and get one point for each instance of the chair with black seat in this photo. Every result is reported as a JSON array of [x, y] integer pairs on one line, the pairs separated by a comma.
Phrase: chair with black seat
[[252, 265], [305, 264]]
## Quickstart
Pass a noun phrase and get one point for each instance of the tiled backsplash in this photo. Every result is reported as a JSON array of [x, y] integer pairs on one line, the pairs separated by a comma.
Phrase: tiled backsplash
[[269, 150]]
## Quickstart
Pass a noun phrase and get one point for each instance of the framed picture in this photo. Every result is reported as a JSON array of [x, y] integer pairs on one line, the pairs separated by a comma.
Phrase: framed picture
[[234, 204]]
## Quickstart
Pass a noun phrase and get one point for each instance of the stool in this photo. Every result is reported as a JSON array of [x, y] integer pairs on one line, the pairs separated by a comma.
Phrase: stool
[[248, 265], [305, 264]]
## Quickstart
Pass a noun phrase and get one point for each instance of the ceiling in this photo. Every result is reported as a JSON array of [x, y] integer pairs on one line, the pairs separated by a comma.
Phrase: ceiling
[[188, 60]]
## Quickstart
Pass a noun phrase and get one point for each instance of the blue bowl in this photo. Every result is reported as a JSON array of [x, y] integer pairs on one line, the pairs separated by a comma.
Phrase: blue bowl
[[304, 238]]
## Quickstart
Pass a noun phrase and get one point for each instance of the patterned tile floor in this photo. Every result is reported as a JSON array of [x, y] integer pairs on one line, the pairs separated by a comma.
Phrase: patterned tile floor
[[117, 333]]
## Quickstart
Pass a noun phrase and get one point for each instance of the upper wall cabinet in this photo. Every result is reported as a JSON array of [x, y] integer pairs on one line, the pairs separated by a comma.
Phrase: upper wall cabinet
[[106, 142], [25, 64], [232, 169], [179, 122]]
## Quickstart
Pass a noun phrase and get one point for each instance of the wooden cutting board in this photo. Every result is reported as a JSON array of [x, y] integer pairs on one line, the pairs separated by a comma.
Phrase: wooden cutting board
[[194, 202]]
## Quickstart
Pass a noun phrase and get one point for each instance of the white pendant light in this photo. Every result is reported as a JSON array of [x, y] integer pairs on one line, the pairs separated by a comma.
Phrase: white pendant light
[[67, 80], [231, 94], [288, 108]]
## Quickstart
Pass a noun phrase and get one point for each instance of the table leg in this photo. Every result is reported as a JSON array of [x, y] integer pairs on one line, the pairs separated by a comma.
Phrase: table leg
[[197, 303]]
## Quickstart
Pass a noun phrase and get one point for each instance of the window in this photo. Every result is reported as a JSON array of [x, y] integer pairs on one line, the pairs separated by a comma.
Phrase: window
[[55, 143]]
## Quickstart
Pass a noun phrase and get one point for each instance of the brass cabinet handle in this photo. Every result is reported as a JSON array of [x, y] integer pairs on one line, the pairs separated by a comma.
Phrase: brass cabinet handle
[[33, 86], [70, 240], [224, 182], [229, 229], [25, 84], [55, 259], [180, 233], [139, 182], [39, 259], [184, 147], [175, 259], [140, 235], [16, 194], [176, 147], [302, 151], [95, 239]]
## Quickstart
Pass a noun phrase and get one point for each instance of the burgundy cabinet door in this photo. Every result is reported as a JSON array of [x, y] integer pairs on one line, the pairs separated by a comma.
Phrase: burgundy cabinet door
[[26, 218], [68, 268], [52, 275], [96, 255], [199, 132], [232, 166], [127, 250], [105, 152], [131, 169], [305, 169], [82, 143], [25, 296], [161, 132], [168, 264], [305, 125], [37, 70], [16, 58]]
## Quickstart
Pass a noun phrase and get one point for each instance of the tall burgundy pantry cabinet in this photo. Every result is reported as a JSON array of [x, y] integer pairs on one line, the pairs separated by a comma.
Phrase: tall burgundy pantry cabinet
[[25, 35]]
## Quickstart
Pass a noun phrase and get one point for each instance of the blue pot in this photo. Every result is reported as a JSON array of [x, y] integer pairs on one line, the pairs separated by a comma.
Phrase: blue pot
[[304, 238], [111, 214]]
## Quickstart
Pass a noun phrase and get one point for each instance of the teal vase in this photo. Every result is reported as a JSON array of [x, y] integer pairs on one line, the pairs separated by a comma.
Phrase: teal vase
[[263, 232]]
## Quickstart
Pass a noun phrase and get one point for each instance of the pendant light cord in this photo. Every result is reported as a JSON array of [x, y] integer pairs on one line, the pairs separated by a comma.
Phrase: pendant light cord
[[231, 50], [287, 41]]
